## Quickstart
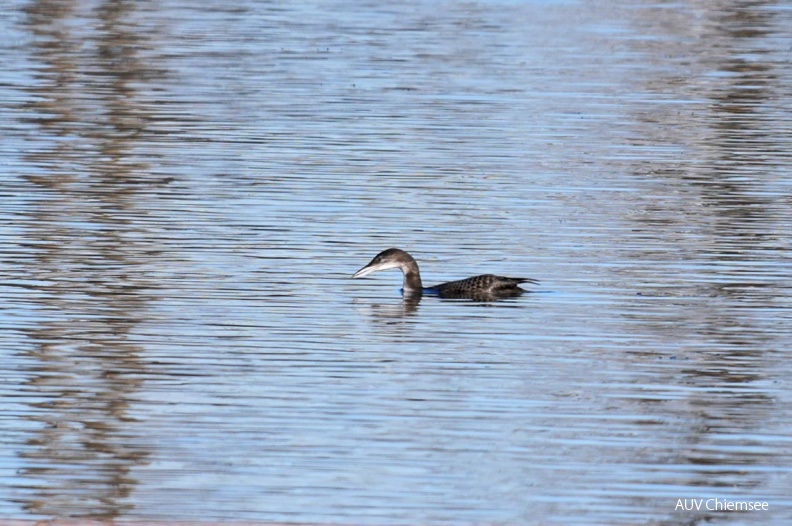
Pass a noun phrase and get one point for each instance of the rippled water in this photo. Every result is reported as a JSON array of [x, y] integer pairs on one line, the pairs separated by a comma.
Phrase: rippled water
[[188, 187]]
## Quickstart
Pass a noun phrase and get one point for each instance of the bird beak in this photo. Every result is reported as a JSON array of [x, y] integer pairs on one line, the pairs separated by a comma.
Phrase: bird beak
[[375, 267], [365, 271]]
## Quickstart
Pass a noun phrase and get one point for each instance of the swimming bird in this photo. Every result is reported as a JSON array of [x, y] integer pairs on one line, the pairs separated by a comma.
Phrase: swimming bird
[[484, 287]]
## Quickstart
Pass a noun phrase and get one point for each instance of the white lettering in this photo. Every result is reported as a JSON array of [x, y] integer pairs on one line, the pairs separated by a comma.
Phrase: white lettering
[[694, 504], [717, 504]]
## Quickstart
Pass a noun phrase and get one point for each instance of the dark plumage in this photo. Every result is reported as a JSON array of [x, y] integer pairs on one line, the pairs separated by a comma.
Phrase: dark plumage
[[484, 287]]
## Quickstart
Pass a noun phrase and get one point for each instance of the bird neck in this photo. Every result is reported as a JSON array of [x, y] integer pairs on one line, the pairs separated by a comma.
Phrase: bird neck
[[412, 277]]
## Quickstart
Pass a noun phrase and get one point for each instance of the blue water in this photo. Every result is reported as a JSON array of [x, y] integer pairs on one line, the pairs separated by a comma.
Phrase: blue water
[[187, 190]]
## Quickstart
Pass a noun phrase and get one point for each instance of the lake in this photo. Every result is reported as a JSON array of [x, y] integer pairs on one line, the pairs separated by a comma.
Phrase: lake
[[188, 188]]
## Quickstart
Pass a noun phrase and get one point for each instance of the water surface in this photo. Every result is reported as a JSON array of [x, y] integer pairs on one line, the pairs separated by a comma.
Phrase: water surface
[[188, 189]]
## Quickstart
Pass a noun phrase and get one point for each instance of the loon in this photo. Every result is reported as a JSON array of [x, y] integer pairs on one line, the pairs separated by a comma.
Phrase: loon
[[484, 287]]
